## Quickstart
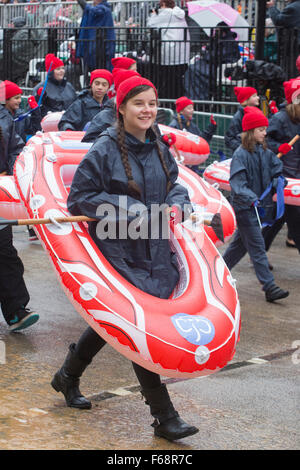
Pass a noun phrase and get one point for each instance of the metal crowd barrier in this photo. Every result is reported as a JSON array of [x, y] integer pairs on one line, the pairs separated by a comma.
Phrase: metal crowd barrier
[[124, 12]]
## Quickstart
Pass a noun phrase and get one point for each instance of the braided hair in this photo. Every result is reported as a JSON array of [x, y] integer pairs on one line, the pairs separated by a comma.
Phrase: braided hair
[[133, 187], [180, 122]]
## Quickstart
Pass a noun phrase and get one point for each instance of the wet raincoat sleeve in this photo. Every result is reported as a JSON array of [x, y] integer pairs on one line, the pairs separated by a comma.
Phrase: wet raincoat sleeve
[[104, 119], [233, 134], [208, 133], [15, 146], [178, 194], [91, 188], [288, 17], [276, 133], [244, 195], [72, 118]]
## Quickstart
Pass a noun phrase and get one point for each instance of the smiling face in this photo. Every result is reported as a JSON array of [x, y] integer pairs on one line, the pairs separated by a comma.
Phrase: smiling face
[[139, 113], [59, 73], [99, 88], [188, 112], [253, 100], [259, 134], [13, 103]]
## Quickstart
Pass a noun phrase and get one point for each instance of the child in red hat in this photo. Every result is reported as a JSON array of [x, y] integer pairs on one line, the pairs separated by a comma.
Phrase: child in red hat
[[252, 169], [129, 160], [13, 96], [59, 92], [107, 116], [125, 63], [88, 103], [246, 96], [184, 121]]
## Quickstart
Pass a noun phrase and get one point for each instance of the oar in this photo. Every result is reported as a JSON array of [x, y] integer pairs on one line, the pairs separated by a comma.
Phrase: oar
[[215, 223], [291, 143]]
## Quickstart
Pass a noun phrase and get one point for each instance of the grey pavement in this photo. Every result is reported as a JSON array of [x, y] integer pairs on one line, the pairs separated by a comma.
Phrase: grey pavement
[[253, 403]]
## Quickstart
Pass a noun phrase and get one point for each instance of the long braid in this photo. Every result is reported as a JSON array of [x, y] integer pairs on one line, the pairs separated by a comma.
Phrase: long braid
[[180, 122], [134, 189], [163, 162]]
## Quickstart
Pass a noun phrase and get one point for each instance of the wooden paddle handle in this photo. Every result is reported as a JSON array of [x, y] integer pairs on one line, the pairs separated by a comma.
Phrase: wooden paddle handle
[[72, 218], [291, 143]]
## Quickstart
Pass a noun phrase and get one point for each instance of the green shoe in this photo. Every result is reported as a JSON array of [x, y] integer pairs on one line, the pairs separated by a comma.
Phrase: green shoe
[[22, 319]]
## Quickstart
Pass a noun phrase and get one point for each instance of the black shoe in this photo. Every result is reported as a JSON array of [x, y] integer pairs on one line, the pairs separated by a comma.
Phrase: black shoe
[[22, 319], [275, 293], [32, 235], [174, 428], [66, 380], [290, 245]]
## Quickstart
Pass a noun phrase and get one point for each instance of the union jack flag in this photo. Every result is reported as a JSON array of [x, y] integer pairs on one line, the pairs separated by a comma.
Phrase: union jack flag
[[246, 53]]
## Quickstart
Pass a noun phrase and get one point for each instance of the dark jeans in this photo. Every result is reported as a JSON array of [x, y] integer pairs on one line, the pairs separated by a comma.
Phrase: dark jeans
[[248, 238], [89, 345], [13, 291]]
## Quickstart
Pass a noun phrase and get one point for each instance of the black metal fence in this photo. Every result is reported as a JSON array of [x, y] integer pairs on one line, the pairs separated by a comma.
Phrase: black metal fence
[[201, 66]]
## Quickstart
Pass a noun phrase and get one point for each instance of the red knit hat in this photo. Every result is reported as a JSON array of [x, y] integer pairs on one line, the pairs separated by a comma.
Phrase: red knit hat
[[9, 89], [291, 89], [121, 74], [122, 62], [56, 62], [101, 73], [253, 117], [243, 93], [127, 85], [182, 102]]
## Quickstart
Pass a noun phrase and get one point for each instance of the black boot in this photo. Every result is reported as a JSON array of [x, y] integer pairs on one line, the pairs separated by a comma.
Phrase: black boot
[[66, 380], [167, 422]]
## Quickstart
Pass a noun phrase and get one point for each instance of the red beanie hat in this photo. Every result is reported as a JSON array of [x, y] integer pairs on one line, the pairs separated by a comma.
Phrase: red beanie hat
[[182, 102], [121, 74], [127, 85], [253, 117], [298, 63], [243, 93], [122, 62], [56, 62], [9, 89], [101, 73], [291, 89]]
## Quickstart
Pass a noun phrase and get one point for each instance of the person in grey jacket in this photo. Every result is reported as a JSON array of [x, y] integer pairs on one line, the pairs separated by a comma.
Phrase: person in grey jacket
[[25, 125], [59, 93], [14, 295], [246, 96], [88, 103], [252, 169], [184, 116], [129, 160], [107, 116]]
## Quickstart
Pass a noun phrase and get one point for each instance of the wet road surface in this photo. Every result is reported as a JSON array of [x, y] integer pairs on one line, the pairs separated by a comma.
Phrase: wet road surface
[[253, 403]]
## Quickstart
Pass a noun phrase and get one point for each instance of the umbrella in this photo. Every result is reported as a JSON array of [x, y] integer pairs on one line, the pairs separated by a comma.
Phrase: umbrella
[[208, 13]]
